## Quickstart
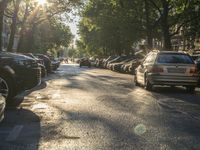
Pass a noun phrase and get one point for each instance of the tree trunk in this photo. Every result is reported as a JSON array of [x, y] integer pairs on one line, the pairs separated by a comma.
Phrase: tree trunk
[[21, 34], [165, 26], [13, 26], [148, 27], [3, 5]]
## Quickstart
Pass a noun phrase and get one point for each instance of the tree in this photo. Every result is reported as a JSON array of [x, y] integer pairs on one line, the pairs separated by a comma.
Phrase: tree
[[48, 35], [13, 26], [3, 5], [111, 27], [27, 15], [173, 15]]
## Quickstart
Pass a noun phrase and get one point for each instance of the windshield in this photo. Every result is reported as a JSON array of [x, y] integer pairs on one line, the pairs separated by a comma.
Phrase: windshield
[[174, 58]]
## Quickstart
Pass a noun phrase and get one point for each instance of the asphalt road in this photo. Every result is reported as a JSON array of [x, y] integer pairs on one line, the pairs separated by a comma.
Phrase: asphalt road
[[95, 109]]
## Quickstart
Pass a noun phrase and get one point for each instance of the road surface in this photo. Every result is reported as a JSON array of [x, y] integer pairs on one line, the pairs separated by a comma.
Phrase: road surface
[[96, 109]]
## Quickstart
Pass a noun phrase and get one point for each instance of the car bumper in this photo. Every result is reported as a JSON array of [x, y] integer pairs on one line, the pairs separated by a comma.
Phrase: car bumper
[[156, 79], [55, 66]]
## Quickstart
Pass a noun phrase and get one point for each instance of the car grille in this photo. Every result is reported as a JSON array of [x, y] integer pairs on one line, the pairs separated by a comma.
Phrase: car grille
[[34, 64], [176, 70]]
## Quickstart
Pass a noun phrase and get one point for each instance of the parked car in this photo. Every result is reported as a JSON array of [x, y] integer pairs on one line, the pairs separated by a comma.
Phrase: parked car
[[105, 61], [99, 63], [196, 58], [55, 63], [17, 73], [167, 68], [130, 66], [117, 60], [85, 62], [117, 66], [2, 106], [92, 61], [40, 63], [47, 62]]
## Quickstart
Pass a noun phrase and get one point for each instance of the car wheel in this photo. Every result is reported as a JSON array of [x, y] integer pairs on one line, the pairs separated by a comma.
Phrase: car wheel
[[147, 85], [6, 87], [190, 89]]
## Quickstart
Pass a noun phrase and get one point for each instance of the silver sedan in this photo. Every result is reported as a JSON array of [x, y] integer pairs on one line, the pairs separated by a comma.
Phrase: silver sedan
[[167, 68]]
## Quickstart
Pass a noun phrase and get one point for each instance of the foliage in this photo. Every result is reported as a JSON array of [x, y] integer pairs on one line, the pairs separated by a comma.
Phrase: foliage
[[110, 27], [47, 36], [39, 27]]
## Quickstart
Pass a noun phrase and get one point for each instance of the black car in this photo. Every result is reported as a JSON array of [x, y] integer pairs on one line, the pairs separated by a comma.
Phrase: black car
[[55, 63], [117, 60], [85, 62], [117, 66], [47, 62], [40, 62], [106, 61], [99, 63], [2, 107], [17, 73]]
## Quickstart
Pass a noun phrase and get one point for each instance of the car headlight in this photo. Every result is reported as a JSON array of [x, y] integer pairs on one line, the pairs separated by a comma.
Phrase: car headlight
[[21, 62], [26, 63]]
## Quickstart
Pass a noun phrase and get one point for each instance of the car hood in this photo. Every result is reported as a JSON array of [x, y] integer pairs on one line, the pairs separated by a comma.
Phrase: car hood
[[8, 55]]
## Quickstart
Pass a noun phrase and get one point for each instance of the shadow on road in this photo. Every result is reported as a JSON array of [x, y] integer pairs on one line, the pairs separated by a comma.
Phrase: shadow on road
[[179, 93], [17, 100], [20, 130]]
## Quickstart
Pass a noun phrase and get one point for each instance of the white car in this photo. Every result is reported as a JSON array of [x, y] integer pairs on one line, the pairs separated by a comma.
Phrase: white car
[[167, 68]]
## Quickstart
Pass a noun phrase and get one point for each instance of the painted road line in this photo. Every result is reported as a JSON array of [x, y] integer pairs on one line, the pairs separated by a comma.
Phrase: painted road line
[[13, 135]]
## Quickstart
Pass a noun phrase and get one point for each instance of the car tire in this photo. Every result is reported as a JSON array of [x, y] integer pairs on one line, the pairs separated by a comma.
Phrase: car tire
[[7, 82], [190, 89], [147, 85]]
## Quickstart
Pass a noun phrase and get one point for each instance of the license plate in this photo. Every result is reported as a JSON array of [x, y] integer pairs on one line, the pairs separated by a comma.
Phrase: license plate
[[176, 70]]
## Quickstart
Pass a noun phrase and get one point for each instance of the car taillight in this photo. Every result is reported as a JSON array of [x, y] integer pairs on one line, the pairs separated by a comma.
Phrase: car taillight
[[193, 71], [156, 70]]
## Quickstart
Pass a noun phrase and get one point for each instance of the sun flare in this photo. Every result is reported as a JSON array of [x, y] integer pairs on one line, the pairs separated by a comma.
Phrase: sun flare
[[42, 2]]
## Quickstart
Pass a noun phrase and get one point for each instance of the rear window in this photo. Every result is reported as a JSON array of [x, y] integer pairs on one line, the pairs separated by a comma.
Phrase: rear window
[[174, 58]]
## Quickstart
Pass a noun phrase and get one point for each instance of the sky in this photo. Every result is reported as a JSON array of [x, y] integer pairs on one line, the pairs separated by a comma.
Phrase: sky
[[73, 28], [74, 25]]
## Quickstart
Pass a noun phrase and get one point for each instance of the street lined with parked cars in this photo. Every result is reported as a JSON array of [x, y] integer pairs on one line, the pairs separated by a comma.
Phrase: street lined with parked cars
[[20, 72], [123, 64], [82, 103], [157, 68]]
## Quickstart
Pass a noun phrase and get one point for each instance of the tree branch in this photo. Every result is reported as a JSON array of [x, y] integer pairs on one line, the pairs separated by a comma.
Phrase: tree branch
[[156, 6], [184, 23]]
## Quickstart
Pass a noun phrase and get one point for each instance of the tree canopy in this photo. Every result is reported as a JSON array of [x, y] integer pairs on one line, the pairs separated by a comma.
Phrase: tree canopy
[[110, 27], [39, 27]]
